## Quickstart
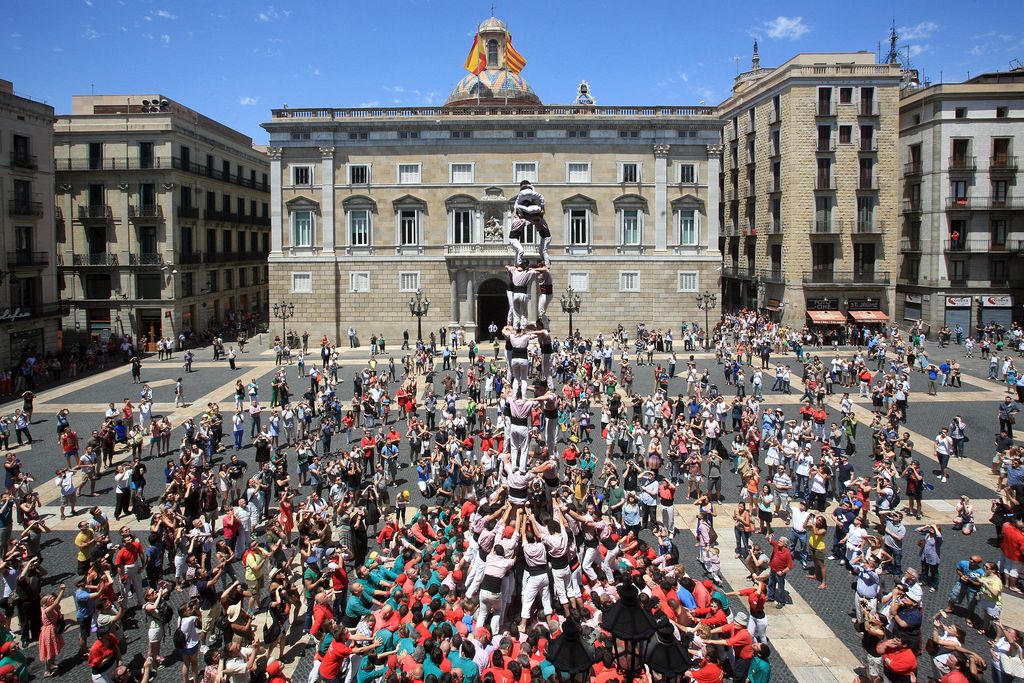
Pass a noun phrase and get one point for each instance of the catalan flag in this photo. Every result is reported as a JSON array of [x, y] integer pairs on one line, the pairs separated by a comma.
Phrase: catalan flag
[[513, 60], [477, 59]]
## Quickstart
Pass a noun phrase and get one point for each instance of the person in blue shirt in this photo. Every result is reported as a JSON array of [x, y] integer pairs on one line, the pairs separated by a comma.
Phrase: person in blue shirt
[[85, 606], [685, 593], [969, 573]]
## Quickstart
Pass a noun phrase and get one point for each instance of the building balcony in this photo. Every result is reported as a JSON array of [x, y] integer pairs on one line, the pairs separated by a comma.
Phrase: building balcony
[[103, 259], [145, 214], [825, 145], [261, 221], [1003, 164], [867, 108], [773, 115], [738, 271], [24, 209], [191, 257], [775, 275], [220, 216], [825, 182], [846, 277], [217, 174], [188, 212], [491, 249], [773, 185], [1018, 246], [145, 259], [868, 145], [772, 228], [868, 228], [94, 213], [24, 161], [867, 182], [958, 164], [820, 227], [911, 206], [114, 164], [913, 168], [825, 109], [983, 203], [27, 259], [975, 245], [910, 245], [53, 309]]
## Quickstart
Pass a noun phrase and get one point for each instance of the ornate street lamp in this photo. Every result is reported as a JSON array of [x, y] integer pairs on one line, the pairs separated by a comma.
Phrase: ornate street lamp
[[667, 658], [283, 311], [570, 655], [418, 306], [570, 305], [631, 627], [706, 302]]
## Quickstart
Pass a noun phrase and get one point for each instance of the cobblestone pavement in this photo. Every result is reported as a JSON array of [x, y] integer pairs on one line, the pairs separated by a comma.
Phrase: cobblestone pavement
[[213, 381]]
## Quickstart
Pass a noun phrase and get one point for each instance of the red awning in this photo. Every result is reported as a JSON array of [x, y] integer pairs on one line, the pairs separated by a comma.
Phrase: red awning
[[869, 316], [827, 317]]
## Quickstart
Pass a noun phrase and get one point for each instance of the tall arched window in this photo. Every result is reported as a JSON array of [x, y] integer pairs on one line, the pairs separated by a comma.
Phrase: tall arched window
[[492, 54]]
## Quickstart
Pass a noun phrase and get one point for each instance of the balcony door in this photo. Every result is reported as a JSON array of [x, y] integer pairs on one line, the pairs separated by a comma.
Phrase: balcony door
[[864, 262], [823, 257]]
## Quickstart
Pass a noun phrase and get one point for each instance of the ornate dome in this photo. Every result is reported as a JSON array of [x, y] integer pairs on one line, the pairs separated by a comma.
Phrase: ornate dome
[[493, 86], [492, 24]]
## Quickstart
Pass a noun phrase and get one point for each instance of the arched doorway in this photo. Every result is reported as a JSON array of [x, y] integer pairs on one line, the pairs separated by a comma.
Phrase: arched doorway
[[491, 307]]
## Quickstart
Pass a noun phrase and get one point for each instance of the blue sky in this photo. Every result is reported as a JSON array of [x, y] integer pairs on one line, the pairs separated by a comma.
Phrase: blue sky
[[233, 60]]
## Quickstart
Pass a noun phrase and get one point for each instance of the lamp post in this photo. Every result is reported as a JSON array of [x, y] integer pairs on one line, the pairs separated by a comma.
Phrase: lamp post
[[283, 311], [418, 306], [570, 655], [706, 302], [631, 627], [570, 305]]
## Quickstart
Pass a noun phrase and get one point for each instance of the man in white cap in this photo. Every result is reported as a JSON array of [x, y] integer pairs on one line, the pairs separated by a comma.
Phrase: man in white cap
[[740, 644]]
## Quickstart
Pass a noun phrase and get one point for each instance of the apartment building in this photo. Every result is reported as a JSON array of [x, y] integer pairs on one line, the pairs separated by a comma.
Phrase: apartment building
[[30, 306], [371, 205], [962, 213], [166, 218], [810, 189]]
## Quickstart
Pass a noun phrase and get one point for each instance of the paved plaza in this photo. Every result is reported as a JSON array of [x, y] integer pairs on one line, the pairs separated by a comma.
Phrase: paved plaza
[[812, 637]]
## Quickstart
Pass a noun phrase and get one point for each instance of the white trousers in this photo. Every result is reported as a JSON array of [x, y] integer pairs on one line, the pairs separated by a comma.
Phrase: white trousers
[[519, 369], [550, 432], [543, 301], [519, 309], [534, 585], [519, 442], [490, 608]]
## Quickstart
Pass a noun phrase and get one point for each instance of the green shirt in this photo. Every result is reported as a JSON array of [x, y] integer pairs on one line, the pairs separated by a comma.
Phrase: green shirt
[[760, 670], [312, 575], [470, 671]]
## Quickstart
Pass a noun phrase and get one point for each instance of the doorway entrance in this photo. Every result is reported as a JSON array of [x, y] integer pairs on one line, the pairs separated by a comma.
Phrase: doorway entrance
[[491, 307]]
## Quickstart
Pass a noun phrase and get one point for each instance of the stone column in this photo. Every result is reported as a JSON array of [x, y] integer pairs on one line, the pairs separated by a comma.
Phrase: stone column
[[276, 226], [123, 230], [470, 299], [661, 197], [327, 196], [714, 196], [454, 300]]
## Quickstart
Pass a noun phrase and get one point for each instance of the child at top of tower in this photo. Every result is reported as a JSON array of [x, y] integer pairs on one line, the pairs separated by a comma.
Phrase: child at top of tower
[[529, 209]]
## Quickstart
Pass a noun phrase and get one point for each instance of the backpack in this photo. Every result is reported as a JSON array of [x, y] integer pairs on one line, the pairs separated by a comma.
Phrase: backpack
[[179, 638], [164, 613]]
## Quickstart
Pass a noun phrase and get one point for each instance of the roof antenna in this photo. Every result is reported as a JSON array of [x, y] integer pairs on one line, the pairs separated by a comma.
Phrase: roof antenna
[[492, 9], [893, 56]]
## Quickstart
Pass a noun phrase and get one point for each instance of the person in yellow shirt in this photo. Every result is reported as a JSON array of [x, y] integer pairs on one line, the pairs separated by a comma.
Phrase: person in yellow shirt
[[989, 597], [84, 541], [255, 560]]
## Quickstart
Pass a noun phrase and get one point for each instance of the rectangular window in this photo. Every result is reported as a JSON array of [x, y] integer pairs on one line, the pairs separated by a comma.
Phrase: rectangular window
[[359, 281], [229, 280], [359, 228], [578, 172], [960, 113], [409, 225], [579, 281], [1002, 112], [687, 174], [631, 227], [998, 232], [408, 134], [997, 271], [526, 134], [999, 188], [687, 281], [408, 174], [461, 174], [462, 226], [629, 172], [958, 188], [359, 174], [188, 284], [359, 135], [687, 227], [823, 214], [845, 135], [408, 281], [578, 133], [579, 227], [524, 170], [146, 155], [243, 277], [865, 214], [629, 280], [845, 95], [302, 229], [461, 134]]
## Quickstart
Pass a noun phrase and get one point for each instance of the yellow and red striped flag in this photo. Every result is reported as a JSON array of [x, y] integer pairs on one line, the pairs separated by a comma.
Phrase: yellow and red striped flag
[[477, 59], [513, 60]]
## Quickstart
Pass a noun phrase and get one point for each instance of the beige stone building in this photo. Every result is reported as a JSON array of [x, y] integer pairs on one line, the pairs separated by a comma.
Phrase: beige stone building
[[30, 306], [166, 218], [370, 205], [962, 228], [810, 188]]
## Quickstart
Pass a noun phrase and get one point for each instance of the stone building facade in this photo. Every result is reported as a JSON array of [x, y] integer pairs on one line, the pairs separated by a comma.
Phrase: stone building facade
[[370, 205], [962, 213], [810, 189], [166, 218], [30, 306]]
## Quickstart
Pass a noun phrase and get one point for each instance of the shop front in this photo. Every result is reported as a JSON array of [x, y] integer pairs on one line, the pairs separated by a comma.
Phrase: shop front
[[825, 312], [997, 309], [958, 312], [912, 307]]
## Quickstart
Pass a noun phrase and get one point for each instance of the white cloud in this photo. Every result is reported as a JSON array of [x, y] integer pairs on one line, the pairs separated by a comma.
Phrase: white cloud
[[316, 72], [782, 27], [247, 101], [90, 33], [15, 35], [88, 3], [923, 29], [684, 77], [977, 50], [271, 14], [58, 49], [165, 39], [370, 103], [915, 50], [707, 95], [164, 14]]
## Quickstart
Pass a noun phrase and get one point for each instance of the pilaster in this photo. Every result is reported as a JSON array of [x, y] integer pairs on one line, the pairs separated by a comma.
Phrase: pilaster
[[276, 225], [714, 195], [661, 197], [327, 197]]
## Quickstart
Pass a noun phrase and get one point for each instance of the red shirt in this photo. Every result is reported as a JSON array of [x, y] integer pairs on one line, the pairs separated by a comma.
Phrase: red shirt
[[741, 642], [709, 673], [500, 675], [755, 600], [102, 650], [782, 559], [901, 662], [320, 614], [1012, 543], [330, 667]]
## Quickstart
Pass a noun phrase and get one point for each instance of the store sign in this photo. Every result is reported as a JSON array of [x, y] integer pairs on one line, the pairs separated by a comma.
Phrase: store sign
[[958, 302], [1004, 301], [17, 314], [862, 305], [913, 298], [824, 304]]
